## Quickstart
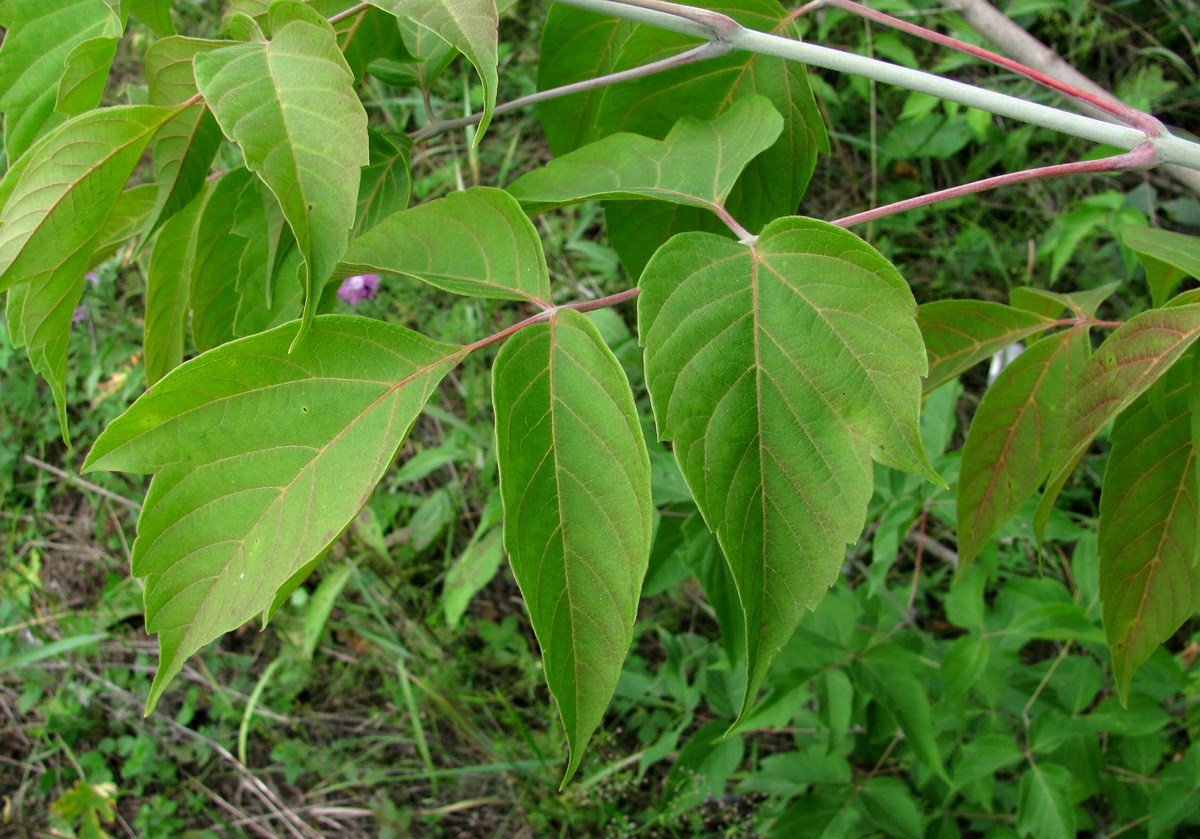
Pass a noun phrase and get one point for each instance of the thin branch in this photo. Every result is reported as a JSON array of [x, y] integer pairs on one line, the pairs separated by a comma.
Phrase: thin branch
[[1132, 116], [1143, 157], [718, 25], [81, 483], [1170, 149], [542, 317], [709, 49], [351, 12], [1004, 32], [934, 548]]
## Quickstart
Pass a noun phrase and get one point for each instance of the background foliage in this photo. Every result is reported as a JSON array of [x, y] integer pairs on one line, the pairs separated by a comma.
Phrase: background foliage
[[388, 696]]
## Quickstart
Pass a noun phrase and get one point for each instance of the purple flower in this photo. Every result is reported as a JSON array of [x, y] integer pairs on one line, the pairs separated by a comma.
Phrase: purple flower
[[92, 277], [80, 314], [358, 288]]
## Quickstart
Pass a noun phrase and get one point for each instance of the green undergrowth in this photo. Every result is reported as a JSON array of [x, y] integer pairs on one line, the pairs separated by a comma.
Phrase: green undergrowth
[[399, 692]]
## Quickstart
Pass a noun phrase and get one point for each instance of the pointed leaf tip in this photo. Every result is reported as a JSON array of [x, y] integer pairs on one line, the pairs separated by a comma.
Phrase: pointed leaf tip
[[311, 160]]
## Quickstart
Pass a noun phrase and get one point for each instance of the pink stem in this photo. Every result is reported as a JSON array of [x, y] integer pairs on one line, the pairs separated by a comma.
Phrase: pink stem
[[722, 25], [744, 235], [1143, 157], [541, 317], [1148, 124]]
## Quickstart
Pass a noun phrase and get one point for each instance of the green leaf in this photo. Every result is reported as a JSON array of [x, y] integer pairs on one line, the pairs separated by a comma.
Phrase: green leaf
[[471, 571], [58, 200], [575, 480], [1052, 304], [1044, 808], [478, 242], [86, 72], [290, 104], [893, 807], [386, 182], [1124, 367], [319, 606], [765, 370], [156, 14], [363, 37], [886, 672], [697, 164], [128, 219], [1167, 257], [471, 27], [237, 505], [89, 804], [168, 288], [983, 756], [218, 259], [1015, 430], [266, 300], [40, 38], [579, 45], [185, 147], [1148, 542], [961, 333]]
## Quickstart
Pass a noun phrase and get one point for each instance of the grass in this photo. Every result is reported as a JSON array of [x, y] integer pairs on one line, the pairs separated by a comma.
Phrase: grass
[[371, 716]]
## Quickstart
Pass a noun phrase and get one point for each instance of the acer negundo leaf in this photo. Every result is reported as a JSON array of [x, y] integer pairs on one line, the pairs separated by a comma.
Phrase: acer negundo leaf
[[261, 458], [1148, 539], [575, 481], [476, 242], [56, 202], [471, 27], [697, 164], [780, 370], [1006, 456], [1131, 359]]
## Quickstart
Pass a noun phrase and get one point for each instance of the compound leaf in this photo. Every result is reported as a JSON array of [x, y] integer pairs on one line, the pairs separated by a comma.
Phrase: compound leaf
[[1014, 432], [961, 333], [1148, 542], [697, 164], [1130, 360], [575, 480], [471, 27], [476, 242], [261, 459], [779, 371], [290, 104], [40, 38]]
